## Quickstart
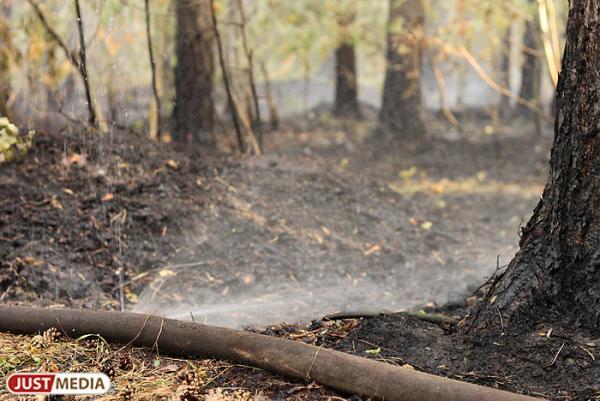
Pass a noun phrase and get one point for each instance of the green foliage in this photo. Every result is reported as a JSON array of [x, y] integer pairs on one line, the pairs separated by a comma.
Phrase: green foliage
[[12, 145]]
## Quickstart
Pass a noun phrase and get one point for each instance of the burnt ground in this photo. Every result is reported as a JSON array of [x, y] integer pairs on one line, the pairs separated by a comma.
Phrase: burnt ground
[[335, 216]]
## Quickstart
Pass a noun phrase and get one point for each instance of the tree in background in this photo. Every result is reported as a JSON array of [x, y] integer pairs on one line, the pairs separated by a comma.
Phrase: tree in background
[[401, 107], [346, 86], [5, 57], [531, 69], [194, 109], [556, 273]]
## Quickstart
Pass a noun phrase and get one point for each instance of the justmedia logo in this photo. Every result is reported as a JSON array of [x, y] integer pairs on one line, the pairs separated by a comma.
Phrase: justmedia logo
[[58, 383]]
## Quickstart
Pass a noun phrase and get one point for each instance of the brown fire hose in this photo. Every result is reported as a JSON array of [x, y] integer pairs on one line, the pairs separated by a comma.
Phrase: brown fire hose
[[340, 371]]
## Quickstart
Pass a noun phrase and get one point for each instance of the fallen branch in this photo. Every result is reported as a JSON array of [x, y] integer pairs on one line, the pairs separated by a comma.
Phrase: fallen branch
[[436, 318], [343, 372]]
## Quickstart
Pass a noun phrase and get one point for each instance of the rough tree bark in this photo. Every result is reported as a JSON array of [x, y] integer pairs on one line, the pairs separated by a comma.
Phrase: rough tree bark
[[401, 107], [194, 109], [556, 274]]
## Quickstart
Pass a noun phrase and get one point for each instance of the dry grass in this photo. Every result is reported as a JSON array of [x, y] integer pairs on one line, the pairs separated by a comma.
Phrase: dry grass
[[136, 374], [142, 374]]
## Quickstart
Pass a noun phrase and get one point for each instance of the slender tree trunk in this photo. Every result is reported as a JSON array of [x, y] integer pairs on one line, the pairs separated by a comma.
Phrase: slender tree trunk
[[273, 113], [155, 109], [194, 111], [556, 274], [5, 57], [92, 117], [531, 69], [346, 87], [505, 107], [401, 108]]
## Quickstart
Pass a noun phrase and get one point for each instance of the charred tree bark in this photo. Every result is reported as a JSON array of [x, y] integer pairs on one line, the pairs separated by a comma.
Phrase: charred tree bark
[[346, 88], [556, 274], [401, 107], [194, 109]]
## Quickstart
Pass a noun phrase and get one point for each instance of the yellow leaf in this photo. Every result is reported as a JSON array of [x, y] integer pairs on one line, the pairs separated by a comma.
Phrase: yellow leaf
[[56, 204], [426, 225], [166, 273], [373, 249], [131, 296], [172, 164], [408, 173]]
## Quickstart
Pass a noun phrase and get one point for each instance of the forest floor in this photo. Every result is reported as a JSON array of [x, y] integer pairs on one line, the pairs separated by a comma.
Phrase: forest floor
[[334, 216]]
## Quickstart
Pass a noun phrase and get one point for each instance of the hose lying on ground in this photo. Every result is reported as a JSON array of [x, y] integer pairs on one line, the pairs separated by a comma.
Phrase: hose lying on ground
[[340, 371]]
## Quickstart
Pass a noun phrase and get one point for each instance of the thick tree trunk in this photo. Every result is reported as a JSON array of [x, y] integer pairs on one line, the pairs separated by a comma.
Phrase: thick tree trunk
[[532, 65], [194, 110], [401, 107], [556, 274], [346, 89]]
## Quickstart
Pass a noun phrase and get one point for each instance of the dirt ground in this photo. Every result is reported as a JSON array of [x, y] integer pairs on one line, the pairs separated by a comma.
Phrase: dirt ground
[[334, 216]]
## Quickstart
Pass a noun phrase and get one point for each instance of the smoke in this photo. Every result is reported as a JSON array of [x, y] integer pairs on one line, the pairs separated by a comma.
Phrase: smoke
[[190, 293]]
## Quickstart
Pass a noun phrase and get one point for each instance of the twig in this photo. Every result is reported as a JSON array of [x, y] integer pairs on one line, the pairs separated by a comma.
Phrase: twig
[[160, 330], [139, 333], [230, 101], [557, 354], [156, 122], [68, 53], [501, 320], [439, 77], [497, 87], [312, 363]]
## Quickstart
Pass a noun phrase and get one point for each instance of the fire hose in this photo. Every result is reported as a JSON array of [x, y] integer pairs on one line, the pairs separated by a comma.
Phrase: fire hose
[[337, 370]]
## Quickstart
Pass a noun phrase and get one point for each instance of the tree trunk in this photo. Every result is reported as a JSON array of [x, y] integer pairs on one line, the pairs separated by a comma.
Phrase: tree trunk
[[532, 66], [505, 106], [556, 274], [5, 57], [401, 107], [194, 110], [346, 89]]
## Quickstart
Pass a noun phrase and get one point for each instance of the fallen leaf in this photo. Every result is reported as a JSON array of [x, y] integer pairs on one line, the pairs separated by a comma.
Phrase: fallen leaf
[[373, 249], [56, 203], [426, 225], [75, 158], [30, 260], [166, 273], [374, 351], [408, 173], [172, 164]]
